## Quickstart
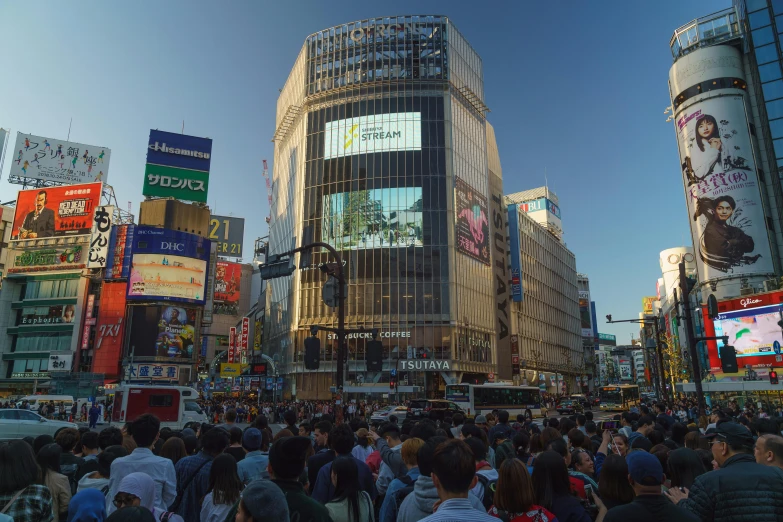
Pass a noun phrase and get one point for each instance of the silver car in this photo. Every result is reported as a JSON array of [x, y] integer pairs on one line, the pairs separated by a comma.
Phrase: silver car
[[383, 414], [17, 424]]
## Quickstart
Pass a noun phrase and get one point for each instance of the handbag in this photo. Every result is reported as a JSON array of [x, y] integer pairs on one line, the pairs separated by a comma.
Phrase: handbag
[[13, 499]]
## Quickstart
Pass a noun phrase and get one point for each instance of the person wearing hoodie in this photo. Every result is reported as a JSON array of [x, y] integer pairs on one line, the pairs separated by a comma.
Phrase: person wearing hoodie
[[99, 479], [87, 506], [419, 503], [138, 489]]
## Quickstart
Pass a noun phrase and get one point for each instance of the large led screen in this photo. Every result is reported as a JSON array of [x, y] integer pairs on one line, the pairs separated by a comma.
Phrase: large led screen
[[751, 332], [373, 218], [163, 331], [167, 276], [376, 133]]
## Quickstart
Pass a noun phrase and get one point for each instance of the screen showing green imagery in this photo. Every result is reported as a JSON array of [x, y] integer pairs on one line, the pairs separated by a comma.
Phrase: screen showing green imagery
[[388, 217]]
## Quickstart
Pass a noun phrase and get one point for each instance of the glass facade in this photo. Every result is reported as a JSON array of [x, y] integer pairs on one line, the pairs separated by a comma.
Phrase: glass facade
[[376, 122]]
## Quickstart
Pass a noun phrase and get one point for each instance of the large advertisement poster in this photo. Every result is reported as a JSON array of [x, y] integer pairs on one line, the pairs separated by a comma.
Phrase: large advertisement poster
[[584, 314], [57, 160], [376, 133], [647, 304], [55, 211], [373, 218], [227, 282], [721, 187], [472, 223], [752, 332], [228, 233], [110, 329], [163, 331]]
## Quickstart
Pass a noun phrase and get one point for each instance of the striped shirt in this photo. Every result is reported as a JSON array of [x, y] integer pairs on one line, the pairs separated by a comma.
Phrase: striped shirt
[[458, 510]]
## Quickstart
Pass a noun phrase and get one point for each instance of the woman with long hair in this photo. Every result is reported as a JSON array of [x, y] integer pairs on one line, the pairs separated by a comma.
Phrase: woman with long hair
[[21, 494], [49, 462], [224, 489], [683, 467], [613, 486], [552, 488], [705, 158], [174, 450], [350, 503], [514, 500]]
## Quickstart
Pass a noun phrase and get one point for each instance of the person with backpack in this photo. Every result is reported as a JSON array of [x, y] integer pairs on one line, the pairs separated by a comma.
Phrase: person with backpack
[[514, 500], [504, 448], [486, 475], [409, 452]]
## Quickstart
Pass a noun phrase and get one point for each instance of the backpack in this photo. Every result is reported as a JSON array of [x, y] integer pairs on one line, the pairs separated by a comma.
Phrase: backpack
[[399, 496], [489, 490]]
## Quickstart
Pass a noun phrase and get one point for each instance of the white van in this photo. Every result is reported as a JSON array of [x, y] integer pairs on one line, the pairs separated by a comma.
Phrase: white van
[[35, 401]]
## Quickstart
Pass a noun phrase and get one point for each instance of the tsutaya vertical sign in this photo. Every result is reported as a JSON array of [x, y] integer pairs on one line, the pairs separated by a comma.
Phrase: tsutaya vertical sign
[[499, 246]]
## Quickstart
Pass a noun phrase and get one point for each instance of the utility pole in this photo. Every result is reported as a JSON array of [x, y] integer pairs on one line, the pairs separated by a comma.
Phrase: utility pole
[[664, 395], [691, 338]]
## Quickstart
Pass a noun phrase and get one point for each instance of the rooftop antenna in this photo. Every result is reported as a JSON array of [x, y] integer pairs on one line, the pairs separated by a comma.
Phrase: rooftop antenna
[[183, 127], [69, 130]]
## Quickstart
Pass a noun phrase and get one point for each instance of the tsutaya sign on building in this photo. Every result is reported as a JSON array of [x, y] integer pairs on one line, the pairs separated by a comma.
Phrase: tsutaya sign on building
[[424, 365]]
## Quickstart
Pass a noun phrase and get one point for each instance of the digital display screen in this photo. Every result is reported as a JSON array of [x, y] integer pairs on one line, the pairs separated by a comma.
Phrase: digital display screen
[[389, 217], [369, 134], [752, 332], [167, 277]]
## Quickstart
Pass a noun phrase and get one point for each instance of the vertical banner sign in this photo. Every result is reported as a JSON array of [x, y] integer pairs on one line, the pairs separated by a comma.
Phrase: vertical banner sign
[[88, 321], [245, 338], [472, 228], [499, 228], [647, 304], [209, 304], [515, 254], [584, 314], [101, 233], [257, 334], [722, 189], [232, 341], [514, 355]]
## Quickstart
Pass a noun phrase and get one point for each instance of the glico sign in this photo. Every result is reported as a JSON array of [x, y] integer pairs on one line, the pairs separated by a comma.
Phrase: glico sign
[[390, 31]]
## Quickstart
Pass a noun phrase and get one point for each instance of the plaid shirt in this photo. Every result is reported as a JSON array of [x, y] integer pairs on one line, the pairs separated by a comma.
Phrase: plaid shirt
[[33, 505]]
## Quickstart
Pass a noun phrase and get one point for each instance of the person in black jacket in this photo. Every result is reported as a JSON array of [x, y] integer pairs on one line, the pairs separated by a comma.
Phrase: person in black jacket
[[645, 475], [740, 490]]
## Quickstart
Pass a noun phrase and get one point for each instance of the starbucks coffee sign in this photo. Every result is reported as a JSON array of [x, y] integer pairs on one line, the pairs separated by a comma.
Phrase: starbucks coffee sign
[[419, 365]]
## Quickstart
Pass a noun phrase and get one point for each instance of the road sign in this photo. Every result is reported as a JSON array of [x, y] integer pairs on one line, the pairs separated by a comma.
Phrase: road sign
[[393, 372], [491, 376], [776, 347]]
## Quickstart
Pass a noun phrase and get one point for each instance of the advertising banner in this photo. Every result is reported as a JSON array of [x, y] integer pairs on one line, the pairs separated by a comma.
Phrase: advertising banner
[[670, 260], [179, 150], [245, 337], [232, 343], [110, 329], [647, 304], [163, 331], [119, 260], [625, 370], [59, 161], [60, 363], [55, 211], [584, 314], [48, 259], [169, 265], [228, 233], [88, 322], [607, 339], [153, 372], [209, 302], [722, 189], [101, 235], [373, 218], [230, 370], [472, 228], [56, 314], [258, 333], [227, 282], [168, 182], [515, 254], [376, 133]]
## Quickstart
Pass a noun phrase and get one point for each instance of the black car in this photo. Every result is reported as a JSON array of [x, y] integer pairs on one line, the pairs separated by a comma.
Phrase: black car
[[569, 406], [436, 409], [583, 400]]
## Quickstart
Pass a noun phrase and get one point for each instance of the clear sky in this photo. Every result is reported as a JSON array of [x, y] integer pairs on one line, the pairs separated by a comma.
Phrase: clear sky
[[577, 92]]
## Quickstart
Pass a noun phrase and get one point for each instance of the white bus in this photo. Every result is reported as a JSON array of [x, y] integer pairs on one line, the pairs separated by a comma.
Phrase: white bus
[[618, 397], [480, 399]]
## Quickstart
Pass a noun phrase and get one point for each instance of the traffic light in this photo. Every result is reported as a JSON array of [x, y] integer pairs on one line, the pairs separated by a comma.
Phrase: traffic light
[[374, 356], [773, 377], [728, 359], [275, 267], [392, 384], [312, 353]]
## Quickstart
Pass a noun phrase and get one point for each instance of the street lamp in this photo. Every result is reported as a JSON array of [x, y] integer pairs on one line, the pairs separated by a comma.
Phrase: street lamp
[[654, 322]]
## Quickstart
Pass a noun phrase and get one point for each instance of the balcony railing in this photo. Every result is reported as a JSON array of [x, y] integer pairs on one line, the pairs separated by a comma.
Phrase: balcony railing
[[708, 30]]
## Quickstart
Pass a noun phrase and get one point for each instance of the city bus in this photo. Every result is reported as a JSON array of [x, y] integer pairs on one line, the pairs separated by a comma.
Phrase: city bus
[[478, 399], [618, 397]]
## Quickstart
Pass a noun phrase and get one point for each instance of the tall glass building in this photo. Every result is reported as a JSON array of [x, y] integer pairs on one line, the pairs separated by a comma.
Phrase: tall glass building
[[383, 150]]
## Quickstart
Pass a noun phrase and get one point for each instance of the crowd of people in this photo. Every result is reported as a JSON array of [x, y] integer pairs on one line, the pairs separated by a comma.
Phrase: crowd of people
[[648, 464]]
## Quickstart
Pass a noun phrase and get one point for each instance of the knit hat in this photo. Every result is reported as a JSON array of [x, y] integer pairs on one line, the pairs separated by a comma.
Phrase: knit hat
[[89, 505], [265, 501]]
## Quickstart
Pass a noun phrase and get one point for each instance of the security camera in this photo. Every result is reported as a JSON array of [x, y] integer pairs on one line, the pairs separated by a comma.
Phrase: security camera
[[608, 318]]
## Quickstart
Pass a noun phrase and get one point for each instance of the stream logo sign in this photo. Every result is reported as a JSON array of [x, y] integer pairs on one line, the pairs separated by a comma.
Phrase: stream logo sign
[[177, 166]]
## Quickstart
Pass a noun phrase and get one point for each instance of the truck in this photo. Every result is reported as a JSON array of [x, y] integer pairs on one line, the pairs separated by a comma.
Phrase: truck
[[175, 406]]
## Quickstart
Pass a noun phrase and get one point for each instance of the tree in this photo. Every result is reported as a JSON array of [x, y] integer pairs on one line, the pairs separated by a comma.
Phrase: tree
[[674, 364]]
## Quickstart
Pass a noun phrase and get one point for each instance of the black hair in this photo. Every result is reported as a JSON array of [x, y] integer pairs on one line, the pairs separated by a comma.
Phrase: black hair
[[766, 426], [554, 423], [477, 447], [550, 478], [646, 420], [581, 420], [521, 443], [347, 488], [589, 415], [426, 455], [683, 466], [457, 419], [260, 422], [558, 446], [90, 440], [41, 441], [323, 426], [503, 416], [49, 459], [131, 514], [214, 442], [590, 427], [191, 444], [235, 435], [110, 436], [470, 430], [613, 482], [425, 429], [389, 429], [18, 467], [67, 438], [455, 466], [706, 458], [145, 429], [289, 417], [341, 439], [679, 431], [715, 130], [104, 463], [224, 481]]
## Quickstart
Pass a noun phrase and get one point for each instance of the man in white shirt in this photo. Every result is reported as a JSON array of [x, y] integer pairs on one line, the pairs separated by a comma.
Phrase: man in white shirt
[[145, 430]]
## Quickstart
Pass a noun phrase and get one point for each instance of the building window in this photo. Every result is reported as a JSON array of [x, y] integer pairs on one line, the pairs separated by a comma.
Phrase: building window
[[31, 365], [777, 6], [769, 72], [773, 90], [766, 54], [759, 19], [763, 36], [775, 109], [776, 128], [778, 148], [43, 342], [51, 289]]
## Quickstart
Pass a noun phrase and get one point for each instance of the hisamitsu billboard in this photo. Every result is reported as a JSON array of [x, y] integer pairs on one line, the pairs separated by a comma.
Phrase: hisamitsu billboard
[[179, 150]]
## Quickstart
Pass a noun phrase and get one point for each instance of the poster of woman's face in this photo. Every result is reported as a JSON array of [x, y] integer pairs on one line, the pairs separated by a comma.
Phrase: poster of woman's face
[[721, 183]]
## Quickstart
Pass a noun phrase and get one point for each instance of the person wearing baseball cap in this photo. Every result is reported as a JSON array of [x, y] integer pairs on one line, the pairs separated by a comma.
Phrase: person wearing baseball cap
[[253, 466], [645, 474], [741, 490]]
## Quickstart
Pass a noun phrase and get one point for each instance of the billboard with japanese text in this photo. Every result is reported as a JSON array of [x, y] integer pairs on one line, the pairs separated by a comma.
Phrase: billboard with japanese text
[[66, 210], [177, 166], [100, 238], [110, 329], [472, 228], [58, 160]]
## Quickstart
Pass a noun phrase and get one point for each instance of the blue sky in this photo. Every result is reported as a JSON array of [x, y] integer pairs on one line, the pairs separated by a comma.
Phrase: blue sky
[[577, 91]]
